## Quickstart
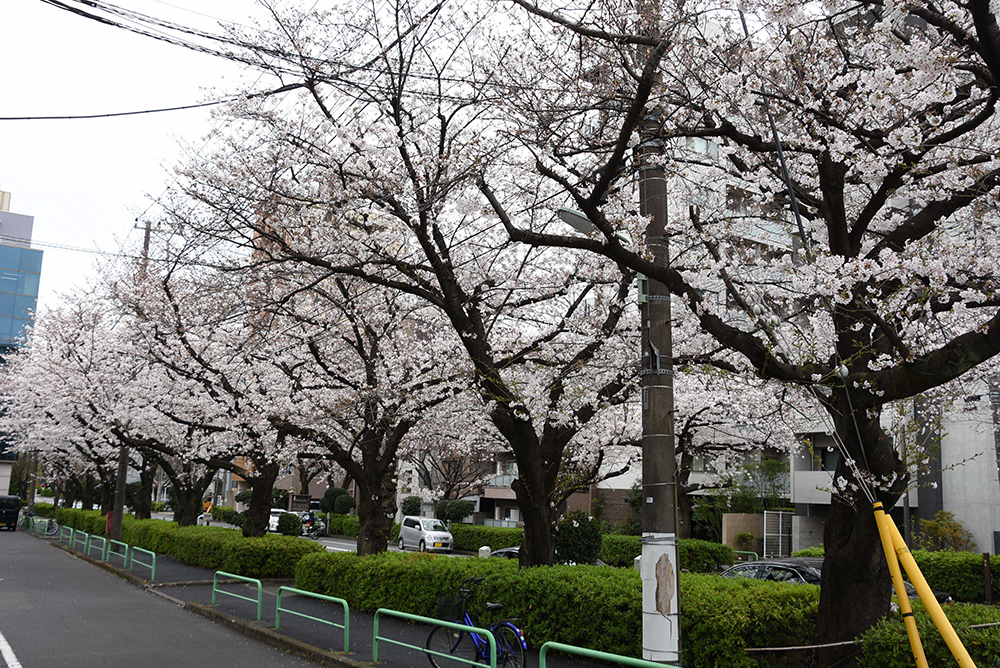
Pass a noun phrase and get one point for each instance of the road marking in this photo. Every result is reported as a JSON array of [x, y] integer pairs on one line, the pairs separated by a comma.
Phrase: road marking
[[8, 654], [338, 549]]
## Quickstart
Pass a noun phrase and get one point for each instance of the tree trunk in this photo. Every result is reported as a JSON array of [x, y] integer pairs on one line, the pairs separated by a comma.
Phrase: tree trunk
[[683, 515], [532, 491], [259, 512], [376, 509], [188, 505], [855, 585], [88, 493], [142, 500]]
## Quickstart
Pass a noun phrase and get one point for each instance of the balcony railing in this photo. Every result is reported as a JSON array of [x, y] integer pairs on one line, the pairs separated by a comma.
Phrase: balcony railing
[[504, 481]]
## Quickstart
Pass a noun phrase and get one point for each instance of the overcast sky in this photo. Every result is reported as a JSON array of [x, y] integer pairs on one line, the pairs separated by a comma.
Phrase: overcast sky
[[86, 181]]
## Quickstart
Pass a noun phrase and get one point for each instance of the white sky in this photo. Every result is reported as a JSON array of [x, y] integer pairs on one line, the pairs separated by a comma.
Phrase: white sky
[[85, 181]]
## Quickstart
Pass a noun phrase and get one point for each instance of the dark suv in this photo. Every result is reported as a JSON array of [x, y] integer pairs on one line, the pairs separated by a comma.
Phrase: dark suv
[[10, 506]]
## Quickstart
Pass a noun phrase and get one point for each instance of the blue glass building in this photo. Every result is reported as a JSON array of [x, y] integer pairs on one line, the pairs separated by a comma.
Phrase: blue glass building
[[20, 270]]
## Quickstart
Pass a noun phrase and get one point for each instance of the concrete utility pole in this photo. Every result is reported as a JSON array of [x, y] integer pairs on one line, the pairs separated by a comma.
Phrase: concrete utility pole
[[115, 533], [660, 601]]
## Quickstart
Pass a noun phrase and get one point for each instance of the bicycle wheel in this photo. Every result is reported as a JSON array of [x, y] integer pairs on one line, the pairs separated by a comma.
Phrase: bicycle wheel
[[510, 652], [458, 644], [51, 528]]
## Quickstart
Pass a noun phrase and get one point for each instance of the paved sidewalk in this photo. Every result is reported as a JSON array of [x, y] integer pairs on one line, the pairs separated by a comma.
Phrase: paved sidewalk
[[56, 610], [191, 586]]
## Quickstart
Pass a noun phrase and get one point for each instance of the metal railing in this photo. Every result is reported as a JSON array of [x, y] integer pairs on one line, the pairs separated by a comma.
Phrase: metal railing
[[123, 554], [260, 590], [756, 557], [485, 633], [66, 532], [595, 654], [132, 561], [346, 626], [76, 539], [93, 544]]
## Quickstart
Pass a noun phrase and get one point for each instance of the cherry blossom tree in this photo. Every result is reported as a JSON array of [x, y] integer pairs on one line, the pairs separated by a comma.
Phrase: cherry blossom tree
[[880, 282]]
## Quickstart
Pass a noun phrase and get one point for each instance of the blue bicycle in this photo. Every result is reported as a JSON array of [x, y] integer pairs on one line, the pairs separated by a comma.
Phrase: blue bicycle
[[468, 647]]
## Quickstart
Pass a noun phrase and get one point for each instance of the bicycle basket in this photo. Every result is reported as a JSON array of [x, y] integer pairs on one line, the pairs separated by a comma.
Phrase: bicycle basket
[[449, 608]]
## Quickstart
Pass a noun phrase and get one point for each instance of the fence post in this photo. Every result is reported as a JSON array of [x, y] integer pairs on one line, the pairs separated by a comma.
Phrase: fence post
[[987, 578]]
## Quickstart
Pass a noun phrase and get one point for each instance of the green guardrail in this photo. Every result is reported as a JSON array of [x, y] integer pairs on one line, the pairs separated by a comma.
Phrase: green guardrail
[[151, 565], [38, 525], [93, 544], [485, 633], [123, 554], [595, 654], [66, 532], [76, 539], [346, 626], [260, 590], [756, 557]]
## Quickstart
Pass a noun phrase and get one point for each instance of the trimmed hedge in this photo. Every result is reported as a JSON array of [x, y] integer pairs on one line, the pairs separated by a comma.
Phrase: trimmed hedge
[[472, 537], [217, 548], [887, 644], [697, 556], [587, 606], [600, 608], [44, 510], [91, 521]]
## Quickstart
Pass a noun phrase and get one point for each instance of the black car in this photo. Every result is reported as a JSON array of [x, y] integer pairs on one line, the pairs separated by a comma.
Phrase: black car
[[507, 553], [10, 506], [799, 570]]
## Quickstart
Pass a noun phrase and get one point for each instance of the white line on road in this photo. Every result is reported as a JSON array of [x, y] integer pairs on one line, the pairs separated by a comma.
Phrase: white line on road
[[8, 654], [331, 548]]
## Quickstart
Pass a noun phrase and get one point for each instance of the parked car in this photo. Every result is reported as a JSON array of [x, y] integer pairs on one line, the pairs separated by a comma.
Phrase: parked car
[[424, 533], [507, 553], [799, 570], [10, 506]]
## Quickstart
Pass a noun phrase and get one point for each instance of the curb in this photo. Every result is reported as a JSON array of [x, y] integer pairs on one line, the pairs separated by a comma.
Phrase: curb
[[251, 630], [271, 637]]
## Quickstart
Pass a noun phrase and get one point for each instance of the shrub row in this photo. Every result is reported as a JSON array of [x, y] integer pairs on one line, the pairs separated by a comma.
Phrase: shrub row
[[44, 510], [958, 573], [472, 537], [600, 608], [217, 548], [887, 644]]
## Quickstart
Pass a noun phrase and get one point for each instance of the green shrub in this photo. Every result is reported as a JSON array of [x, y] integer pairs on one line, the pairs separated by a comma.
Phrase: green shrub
[[958, 573], [158, 506], [344, 504], [90, 521], [411, 505], [270, 556], [326, 504], [620, 551], [587, 606], [702, 556], [218, 512], [454, 510], [46, 492], [230, 516], [244, 496], [577, 538], [887, 646], [810, 552], [350, 526], [745, 541], [472, 537], [45, 510], [289, 524]]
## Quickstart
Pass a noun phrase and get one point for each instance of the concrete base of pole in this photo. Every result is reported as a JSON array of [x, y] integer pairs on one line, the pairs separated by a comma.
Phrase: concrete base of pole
[[660, 600]]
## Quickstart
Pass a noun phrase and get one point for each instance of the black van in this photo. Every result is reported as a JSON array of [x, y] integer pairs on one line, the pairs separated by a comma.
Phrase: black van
[[9, 508]]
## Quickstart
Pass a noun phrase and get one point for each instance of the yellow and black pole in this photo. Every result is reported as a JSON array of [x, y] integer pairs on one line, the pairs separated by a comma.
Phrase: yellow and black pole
[[897, 553]]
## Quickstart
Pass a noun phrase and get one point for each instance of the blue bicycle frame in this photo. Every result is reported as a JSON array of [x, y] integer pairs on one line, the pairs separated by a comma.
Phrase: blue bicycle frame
[[483, 647]]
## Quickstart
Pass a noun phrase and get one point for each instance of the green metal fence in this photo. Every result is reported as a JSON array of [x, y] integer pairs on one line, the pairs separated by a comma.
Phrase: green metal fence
[[151, 565], [485, 633], [755, 556], [93, 544], [260, 590], [109, 552], [66, 532], [594, 654], [76, 539], [346, 626]]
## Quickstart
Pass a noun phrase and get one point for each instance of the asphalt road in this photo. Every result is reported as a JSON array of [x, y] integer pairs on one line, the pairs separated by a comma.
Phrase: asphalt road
[[56, 610]]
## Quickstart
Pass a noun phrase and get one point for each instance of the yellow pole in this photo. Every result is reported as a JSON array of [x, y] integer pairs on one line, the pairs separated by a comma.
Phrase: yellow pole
[[897, 582], [927, 596]]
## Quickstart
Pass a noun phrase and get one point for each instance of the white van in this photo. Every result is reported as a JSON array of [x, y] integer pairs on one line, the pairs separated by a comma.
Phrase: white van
[[424, 533]]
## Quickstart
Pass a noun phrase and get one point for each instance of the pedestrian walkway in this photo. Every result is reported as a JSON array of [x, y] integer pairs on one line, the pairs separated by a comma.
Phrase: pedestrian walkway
[[56, 610], [192, 586]]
